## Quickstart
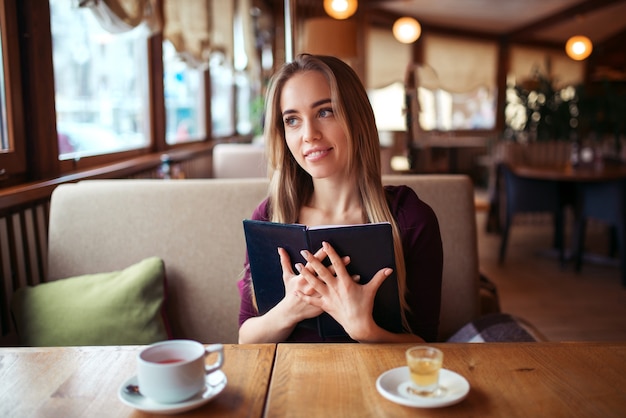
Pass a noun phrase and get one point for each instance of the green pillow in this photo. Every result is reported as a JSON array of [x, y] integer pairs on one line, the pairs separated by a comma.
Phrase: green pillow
[[116, 308]]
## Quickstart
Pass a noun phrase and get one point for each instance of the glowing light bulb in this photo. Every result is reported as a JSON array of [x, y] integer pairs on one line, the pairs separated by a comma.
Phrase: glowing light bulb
[[578, 47], [407, 30], [340, 9]]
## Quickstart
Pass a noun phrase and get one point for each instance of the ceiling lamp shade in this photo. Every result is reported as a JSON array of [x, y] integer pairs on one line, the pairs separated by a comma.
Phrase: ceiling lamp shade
[[326, 36], [578, 47], [407, 30], [340, 9]]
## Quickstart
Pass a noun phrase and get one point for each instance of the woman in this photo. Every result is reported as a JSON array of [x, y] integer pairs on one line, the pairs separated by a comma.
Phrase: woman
[[324, 155]]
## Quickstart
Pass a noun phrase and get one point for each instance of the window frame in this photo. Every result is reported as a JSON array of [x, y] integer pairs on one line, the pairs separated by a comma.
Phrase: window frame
[[13, 162], [37, 130], [29, 74], [156, 112]]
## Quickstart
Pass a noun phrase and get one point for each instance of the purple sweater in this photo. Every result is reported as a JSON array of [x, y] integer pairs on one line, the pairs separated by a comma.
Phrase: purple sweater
[[423, 256]]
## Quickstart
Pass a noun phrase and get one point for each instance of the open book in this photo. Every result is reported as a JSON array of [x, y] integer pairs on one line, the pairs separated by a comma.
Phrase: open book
[[370, 247]]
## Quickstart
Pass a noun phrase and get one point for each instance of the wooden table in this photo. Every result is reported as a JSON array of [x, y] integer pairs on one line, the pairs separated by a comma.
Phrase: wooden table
[[567, 173], [84, 381], [599, 193], [329, 380], [506, 380]]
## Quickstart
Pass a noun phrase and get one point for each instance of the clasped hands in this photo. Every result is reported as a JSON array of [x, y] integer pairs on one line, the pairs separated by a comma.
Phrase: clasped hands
[[318, 288]]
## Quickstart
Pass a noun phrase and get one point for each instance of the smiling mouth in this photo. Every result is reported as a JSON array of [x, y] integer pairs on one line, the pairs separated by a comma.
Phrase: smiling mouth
[[313, 155]]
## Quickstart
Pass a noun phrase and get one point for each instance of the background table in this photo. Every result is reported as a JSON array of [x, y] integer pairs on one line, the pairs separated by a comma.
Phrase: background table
[[506, 380], [567, 173], [600, 193], [84, 382]]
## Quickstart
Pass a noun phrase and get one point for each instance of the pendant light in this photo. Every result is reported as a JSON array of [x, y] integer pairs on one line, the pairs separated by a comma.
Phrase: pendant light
[[406, 30], [578, 47], [326, 36], [340, 9]]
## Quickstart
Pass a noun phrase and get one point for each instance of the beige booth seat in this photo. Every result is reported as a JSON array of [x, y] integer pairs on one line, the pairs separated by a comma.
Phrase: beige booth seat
[[239, 160], [195, 226]]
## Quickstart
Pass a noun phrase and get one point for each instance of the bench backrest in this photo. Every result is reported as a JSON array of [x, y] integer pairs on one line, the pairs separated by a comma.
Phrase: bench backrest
[[195, 226]]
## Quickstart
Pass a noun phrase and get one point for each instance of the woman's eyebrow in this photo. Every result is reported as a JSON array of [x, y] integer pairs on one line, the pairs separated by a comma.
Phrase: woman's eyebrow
[[320, 102]]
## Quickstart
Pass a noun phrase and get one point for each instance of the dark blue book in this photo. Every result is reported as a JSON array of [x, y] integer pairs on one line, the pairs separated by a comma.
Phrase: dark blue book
[[370, 247]]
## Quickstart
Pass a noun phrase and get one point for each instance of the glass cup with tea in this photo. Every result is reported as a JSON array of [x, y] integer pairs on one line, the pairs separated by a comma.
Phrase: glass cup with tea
[[424, 364], [175, 370]]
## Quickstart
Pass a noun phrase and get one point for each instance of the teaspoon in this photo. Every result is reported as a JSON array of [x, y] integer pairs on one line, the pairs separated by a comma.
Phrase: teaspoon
[[133, 390]]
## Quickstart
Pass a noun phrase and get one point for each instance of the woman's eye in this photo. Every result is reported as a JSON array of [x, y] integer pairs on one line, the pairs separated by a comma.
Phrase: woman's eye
[[289, 121], [324, 113]]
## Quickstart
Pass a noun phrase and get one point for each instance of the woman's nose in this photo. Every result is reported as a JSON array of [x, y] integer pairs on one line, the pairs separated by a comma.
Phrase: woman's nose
[[311, 131]]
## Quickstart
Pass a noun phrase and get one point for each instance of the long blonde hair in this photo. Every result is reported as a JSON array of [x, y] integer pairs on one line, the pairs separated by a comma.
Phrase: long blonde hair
[[291, 187]]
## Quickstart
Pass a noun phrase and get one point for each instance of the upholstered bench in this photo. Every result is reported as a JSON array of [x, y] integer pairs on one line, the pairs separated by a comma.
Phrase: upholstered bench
[[188, 236]]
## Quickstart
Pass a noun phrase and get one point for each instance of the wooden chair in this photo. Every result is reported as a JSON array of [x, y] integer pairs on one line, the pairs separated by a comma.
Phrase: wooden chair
[[525, 195], [605, 201]]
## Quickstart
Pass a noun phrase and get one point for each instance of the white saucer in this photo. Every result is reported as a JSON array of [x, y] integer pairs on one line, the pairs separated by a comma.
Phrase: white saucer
[[215, 383], [393, 385]]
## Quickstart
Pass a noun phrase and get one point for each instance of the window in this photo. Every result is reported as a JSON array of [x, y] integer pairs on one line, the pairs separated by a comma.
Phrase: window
[[387, 59], [457, 84], [222, 96], [184, 98], [542, 101], [527, 63], [388, 106], [101, 84], [445, 111]]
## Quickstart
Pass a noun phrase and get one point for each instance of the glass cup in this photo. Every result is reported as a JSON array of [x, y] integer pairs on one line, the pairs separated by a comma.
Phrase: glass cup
[[424, 364]]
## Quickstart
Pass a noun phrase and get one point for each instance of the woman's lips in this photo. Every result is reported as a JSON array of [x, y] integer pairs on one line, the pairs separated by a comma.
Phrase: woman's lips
[[317, 154]]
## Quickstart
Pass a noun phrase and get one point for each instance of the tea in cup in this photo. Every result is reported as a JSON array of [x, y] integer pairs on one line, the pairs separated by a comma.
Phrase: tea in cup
[[424, 365], [174, 371]]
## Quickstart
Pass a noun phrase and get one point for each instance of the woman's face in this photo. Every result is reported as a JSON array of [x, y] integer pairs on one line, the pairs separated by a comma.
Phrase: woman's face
[[313, 134]]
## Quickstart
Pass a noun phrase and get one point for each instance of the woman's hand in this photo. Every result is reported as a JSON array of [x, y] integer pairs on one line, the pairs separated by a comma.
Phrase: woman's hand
[[307, 294], [279, 322], [333, 290], [295, 284]]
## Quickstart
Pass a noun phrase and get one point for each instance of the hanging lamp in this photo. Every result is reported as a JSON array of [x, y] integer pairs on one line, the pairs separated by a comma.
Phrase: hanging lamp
[[578, 47], [340, 9], [407, 30]]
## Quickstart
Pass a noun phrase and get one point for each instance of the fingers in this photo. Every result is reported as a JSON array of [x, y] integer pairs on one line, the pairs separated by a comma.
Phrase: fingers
[[305, 288], [315, 273], [316, 267], [319, 254], [314, 261], [379, 278], [288, 274], [285, 261], [335, 260], [337, 266]]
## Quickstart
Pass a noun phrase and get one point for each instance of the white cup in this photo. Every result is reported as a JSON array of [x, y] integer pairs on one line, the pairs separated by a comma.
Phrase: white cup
[[175, 370]]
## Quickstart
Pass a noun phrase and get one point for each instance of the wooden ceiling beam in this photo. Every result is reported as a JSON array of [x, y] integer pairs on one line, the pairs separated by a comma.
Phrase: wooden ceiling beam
[[525, 32]]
